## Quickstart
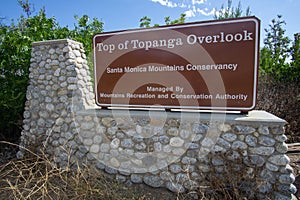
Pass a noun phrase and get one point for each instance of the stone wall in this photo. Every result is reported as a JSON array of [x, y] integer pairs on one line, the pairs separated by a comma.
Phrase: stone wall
[[177, 150]]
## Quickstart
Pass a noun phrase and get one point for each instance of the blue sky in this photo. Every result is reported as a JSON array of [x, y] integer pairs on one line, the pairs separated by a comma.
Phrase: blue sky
[[125, 14]]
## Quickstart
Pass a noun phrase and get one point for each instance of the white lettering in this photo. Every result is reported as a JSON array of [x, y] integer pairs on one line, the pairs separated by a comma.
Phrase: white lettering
[[114, 70], [208, 39], [191, 39], [170, 43], [135, 69], [219, 38], [106, 47], [191, 96], [230, 66], [247, 36], [215, 38], [160, 89], [238, 37], [229, 38], [232, 96]]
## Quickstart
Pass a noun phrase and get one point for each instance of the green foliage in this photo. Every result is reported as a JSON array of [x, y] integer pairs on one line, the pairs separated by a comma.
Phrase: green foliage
[[145, 22], [231, 12], [180, 20], [26, 6], [15, 54], [15, 51], [85, 31], [275, 55], [295, 54], [295, 50]]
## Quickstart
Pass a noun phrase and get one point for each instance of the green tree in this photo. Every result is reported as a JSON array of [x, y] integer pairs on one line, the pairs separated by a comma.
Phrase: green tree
[[15, 53], [15, 48], [231, 12], [85, 31], [180, 20], [26, 6], [295, 54], [145, 22], [275, 53]]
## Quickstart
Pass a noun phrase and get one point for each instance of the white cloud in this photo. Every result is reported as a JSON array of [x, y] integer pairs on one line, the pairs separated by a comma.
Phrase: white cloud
[[166, 3], [191, 8], [189, 13], [222, 12], [182, 5], [205, 11], [194, 2]]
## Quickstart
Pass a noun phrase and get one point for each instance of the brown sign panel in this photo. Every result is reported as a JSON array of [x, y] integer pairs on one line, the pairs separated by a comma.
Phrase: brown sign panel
[[203, 65]]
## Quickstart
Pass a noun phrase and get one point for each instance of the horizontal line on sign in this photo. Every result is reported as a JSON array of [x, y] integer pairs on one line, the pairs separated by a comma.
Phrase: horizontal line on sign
[[174, 110], [207, 111], [134, 108]]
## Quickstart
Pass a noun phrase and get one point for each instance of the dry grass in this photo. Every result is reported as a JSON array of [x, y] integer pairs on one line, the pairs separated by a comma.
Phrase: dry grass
[[35, 177], [233, 179]]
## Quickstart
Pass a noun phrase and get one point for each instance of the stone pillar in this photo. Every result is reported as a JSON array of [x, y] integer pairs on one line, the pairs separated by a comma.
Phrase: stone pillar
[[177, 150], [59, 84]]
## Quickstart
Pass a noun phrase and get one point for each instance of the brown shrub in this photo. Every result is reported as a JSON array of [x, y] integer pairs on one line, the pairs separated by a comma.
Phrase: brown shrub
[[281, 98]]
